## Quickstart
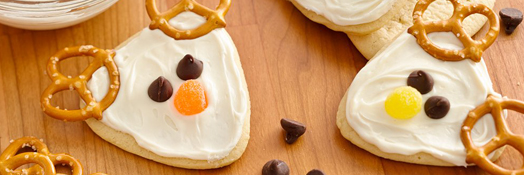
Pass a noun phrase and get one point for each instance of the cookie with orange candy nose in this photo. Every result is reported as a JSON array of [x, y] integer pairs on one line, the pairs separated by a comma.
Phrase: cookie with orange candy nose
[[176, 91], [410, 101]]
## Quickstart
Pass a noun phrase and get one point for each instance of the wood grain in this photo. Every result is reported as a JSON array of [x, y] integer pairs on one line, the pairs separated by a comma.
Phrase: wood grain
[[294, 68]]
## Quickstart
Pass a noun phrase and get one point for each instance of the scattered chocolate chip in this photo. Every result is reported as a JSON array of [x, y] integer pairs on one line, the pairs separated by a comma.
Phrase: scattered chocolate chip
[[275, 167], [160, 90], [421, 81], [511, 18], [437, 107], [315, 172], [293, 129], [189, 68]]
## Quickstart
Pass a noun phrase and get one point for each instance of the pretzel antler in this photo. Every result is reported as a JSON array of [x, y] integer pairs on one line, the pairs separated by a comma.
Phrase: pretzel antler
[[473, 49], [215, 18], [45, 161], [79, 83], [479, 155]]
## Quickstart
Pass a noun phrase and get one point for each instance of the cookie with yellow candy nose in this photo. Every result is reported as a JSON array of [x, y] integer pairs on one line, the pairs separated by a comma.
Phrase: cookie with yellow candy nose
[[179, 92], [408, 105]]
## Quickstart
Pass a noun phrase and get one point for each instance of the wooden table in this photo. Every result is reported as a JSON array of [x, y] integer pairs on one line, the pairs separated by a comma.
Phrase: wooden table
[[294, 68]]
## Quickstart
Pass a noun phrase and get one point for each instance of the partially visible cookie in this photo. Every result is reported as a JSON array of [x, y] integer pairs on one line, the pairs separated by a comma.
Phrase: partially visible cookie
[[393, 12], [372, 36], [371, 43], [35, 153]]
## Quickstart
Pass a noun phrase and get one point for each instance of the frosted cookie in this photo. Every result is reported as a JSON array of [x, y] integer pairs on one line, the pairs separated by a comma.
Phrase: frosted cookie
[[358, 17], [176, 93], [371, 25], [409, 103], [364, 121], [370, 44]]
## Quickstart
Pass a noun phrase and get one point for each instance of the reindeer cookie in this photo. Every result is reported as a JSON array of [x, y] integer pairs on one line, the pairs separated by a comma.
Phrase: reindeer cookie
[[44, 161], [174, 93], [410, 102], [373, 24]]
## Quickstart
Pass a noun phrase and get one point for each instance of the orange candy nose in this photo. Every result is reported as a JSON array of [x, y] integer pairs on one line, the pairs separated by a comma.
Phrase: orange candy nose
[[190, 99]]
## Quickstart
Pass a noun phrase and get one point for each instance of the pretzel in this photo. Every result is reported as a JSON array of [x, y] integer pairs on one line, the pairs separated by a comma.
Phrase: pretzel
[[478, 155], [473, 49], [79, 83], [45, 161], [215, 18]]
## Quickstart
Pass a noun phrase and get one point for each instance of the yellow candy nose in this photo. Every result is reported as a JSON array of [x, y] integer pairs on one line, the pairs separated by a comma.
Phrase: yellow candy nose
[[404, 103]]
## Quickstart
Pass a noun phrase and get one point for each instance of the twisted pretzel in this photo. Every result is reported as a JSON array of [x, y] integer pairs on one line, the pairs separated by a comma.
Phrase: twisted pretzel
[[473, 49], [79, 83], [478, 155], [215, 18], [45, 161]]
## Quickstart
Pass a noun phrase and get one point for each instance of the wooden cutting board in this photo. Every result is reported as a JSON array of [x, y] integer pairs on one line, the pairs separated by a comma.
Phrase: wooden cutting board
[[294, 68]]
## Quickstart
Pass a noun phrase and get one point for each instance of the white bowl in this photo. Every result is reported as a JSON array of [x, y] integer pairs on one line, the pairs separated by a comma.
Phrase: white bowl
[[49, 14]]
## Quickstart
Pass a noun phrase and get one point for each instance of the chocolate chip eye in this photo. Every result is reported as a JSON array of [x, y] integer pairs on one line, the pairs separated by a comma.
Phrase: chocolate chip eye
[[160, 90], [437, 107], [189, 68], [421, 81]]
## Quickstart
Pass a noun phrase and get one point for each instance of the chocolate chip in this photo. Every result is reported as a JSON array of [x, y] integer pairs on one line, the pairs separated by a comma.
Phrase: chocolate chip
[[275, 167], [293, 129], [437, 107], [315, 172], [511, 18], [189, 68], [421, 81], [160, 90]]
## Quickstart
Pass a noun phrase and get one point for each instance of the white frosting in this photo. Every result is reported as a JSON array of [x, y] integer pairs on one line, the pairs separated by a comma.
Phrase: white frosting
[[465, 84], [349, 12], [159, 127]]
